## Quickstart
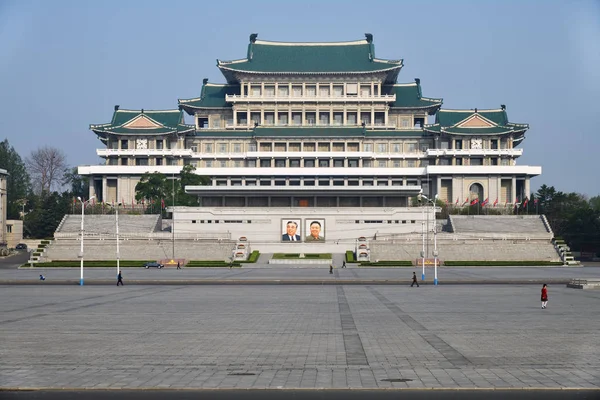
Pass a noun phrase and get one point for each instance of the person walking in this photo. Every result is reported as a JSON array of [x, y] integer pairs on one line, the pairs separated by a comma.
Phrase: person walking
[[344, 264], [178, 265], [544, 296], [414, 280], [120, 279], [331, 268]]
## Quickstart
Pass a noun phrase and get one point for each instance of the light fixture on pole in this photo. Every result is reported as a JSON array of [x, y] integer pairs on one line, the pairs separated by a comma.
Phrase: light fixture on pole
[[83, 203], [423, 237], [117, 222], [435, 252]]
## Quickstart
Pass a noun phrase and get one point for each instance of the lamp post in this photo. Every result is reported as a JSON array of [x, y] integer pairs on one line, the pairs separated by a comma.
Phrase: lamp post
[[435, 252], [83, 203], [423, 237], [117, 222]]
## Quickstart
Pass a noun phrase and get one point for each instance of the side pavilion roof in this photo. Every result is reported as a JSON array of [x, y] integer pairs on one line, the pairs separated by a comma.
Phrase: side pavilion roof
[[143, 122], [476, 122], [289, 58], [409, 96]]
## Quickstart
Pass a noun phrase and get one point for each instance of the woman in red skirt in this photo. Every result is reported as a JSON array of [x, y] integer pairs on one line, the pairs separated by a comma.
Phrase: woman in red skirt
[[544, 296]]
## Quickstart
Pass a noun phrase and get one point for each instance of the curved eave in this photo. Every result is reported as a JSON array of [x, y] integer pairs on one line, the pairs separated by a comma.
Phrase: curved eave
[[465, 132], [395, 67], [134, 133]]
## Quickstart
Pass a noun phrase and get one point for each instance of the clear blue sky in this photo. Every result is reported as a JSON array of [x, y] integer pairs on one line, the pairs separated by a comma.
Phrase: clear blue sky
[[65, 64]]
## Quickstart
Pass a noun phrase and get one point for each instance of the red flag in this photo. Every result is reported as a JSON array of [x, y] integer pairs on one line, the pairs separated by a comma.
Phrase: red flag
[[466, 201], [457, 201], [525, 202], [496, 202], [475, 201], [535, 201], [162, 203], [74, 200], [484, 203]]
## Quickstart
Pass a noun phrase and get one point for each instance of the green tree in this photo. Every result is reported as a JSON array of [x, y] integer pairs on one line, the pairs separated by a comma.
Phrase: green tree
[[153, 187], [79, 185], [189, 178], [595, 203], [18, 185], [48, 210]]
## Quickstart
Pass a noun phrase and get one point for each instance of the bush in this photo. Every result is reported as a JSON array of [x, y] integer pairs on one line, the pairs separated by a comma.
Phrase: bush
[[296, 256], [44, 242], [499, 263], [211, 264], [350, 256], [91, 264]]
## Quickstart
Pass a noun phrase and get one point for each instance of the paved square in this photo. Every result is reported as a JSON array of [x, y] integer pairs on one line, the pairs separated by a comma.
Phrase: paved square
[[459, 336]]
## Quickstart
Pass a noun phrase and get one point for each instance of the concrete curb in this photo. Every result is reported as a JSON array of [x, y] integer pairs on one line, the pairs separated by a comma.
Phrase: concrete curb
[[332, 281]]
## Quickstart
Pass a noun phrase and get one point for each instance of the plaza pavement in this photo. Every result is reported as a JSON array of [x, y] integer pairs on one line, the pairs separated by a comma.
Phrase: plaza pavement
[[304, 337]]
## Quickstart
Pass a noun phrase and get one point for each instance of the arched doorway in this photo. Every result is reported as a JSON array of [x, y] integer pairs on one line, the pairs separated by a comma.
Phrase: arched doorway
[[476, 192]]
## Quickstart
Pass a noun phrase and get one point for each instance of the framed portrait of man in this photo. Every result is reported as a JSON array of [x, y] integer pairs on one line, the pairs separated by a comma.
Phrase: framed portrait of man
[[315, 230], [290, 230]]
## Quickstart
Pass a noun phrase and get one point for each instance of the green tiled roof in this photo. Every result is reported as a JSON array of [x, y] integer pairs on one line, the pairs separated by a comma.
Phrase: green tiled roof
[[448, 121], [166, 121], [409, 96], [212, 96], [267, 57]]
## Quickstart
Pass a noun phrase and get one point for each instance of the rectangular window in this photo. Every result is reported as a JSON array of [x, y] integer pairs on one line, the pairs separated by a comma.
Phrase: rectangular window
[[381, 147], [309, 147], [405, 123], [265, 163], [309, 163], [141, 161], [237, 164], [269, 118], [309, 182], [351, 118], [458, 144], [338, 163], [294, 163], [255, 91], [270, 91], [365, 90], [311, 91], [9, 228], [250, 182], [311, 118], [397, 163], [123, 161], [396, 148], [251, 146], [324, 91], [324, 118], [251, 163], [283, 118], [323, 182], [365, 118], [352, 89], [216, 122], [459, 161], [208, 163], [208, 148], [237, 147], [255, 118], [297, 118], [279, 163], [159, 161], [159, 144], [411, 147], [476, 161], [323, 163], [367, 182], [411, 163], [353, 162], [382, 164], [368, 147], [222, 148], [284, 91], [367, 163], [338, 91], [124, 144], [338, 118], [352, 182], [297, 91]]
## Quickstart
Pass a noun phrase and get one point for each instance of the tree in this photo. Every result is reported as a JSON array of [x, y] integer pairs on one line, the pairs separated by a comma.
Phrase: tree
[[595, 203], [48, 211], [18, 185], [79, 184], [46, 166], [154, 187], [189, 178]]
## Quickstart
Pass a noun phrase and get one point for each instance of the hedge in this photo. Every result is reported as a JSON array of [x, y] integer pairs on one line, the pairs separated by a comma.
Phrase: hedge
[[387, 264], [350, 256], [210, 264], [252, 258], [499, 263], [321, 256]]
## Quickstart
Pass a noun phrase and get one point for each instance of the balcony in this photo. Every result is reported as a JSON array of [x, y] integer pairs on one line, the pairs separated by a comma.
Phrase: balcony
[[238, 98], [475, 152], [144, 152]]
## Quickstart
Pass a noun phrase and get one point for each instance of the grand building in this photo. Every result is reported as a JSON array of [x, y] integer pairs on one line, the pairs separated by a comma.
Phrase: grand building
[[313, 131]]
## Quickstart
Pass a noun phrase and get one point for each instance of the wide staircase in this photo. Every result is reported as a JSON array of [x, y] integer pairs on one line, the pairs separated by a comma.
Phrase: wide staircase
[[141, 237], [476, 238]]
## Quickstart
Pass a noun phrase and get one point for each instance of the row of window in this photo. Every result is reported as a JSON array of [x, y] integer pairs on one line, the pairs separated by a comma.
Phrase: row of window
[[282, 181], [324, 90], [223, 148]]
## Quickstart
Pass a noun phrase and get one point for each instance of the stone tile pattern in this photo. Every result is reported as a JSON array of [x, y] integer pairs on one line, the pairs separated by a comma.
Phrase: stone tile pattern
[[460, 336]]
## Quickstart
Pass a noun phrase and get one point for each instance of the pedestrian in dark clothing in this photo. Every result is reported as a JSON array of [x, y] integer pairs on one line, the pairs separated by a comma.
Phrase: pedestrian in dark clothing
[[414, 280], [331, 268], [344, 264], [544, 296], [42, 278], [120, 279], [178, 266]]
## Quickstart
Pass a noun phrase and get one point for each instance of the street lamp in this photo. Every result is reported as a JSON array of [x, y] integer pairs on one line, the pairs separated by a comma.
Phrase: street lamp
[[423, 237], [117, 222], [435, 252], [83, 203]]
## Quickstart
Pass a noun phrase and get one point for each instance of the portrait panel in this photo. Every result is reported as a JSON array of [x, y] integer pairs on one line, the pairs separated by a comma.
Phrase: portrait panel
[[291, 230], [314, 230]]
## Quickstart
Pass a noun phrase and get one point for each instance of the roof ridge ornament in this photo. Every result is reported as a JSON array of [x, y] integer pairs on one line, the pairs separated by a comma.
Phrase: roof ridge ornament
[[369, 37], [253, 37]]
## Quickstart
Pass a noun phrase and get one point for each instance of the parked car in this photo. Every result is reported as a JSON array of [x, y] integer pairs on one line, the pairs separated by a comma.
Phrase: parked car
[[21, 246], [153, 264]]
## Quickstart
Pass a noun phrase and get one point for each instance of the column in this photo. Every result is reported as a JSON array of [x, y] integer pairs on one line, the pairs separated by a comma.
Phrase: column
[[527, 187], [438, 185], [372, 116], [513, 190], [103, 189]]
